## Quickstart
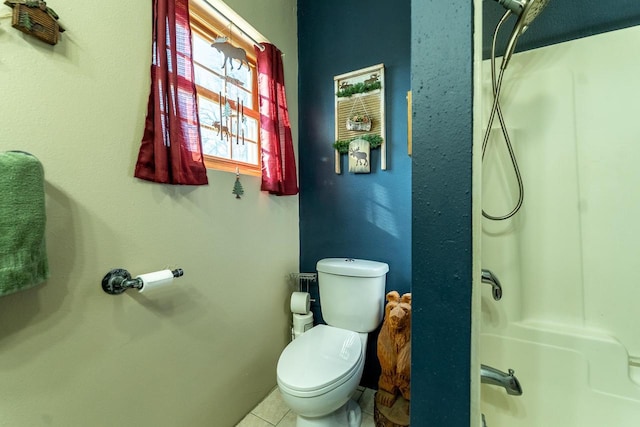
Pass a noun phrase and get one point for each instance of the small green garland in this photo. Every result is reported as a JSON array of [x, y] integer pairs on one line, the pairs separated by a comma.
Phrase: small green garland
[[25, 20], [358, 88], [342, 146]]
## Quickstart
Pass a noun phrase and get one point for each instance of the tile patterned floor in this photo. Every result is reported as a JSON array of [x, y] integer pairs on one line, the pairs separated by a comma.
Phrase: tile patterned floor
[[272, 411]]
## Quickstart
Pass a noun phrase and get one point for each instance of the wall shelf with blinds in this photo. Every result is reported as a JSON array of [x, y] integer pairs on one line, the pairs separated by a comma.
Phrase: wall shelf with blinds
[[359, 110]]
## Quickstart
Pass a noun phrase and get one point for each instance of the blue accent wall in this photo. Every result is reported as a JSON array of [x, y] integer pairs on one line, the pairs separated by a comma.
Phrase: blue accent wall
[[442, 86], [364, 216]]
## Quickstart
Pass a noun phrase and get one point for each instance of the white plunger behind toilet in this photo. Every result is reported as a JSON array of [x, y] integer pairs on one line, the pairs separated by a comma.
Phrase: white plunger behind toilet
[[320, 370]]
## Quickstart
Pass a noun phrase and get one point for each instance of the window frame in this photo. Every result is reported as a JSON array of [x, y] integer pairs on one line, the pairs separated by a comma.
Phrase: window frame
[[205, 23]]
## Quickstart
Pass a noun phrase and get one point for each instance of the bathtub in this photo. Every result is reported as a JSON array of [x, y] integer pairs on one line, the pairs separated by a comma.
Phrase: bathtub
[[569, 378]]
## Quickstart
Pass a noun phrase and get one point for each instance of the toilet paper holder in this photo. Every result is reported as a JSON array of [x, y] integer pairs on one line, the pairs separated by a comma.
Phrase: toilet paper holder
[[119, 280], [303, 280]]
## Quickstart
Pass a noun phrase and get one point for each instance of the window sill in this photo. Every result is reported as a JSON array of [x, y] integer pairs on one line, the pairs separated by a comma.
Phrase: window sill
[[232, 166]]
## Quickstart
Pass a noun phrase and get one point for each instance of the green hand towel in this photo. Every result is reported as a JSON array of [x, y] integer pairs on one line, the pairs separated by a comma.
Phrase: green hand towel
[[23, 257]]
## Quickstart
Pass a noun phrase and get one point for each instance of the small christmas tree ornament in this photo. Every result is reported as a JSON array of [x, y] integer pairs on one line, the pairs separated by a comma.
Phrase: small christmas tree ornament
[[237, 187]]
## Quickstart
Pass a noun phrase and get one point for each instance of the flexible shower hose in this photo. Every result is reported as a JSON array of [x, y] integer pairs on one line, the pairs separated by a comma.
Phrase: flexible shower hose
[[497, 86]]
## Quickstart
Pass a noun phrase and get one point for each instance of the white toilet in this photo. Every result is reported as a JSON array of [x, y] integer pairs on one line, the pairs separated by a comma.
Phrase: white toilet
[[319, 371]]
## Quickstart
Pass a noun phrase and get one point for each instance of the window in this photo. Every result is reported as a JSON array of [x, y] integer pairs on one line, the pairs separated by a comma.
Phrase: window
[[227, 95]]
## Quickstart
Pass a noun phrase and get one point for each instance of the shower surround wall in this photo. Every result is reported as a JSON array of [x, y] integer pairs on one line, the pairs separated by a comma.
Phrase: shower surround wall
[[567, 261]]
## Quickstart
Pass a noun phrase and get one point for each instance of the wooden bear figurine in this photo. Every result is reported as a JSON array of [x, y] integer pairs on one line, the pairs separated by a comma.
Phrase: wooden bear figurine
[[394, 350]]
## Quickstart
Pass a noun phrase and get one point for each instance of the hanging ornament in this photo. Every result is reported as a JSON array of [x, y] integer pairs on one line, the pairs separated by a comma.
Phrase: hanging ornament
[[225, 116], [227, 109], [237, 187], [221, 125], [237, 120], [230, 52], [243, 119]]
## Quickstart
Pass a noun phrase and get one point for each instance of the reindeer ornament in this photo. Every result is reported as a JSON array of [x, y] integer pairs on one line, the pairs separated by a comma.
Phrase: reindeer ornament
[[230, 52]]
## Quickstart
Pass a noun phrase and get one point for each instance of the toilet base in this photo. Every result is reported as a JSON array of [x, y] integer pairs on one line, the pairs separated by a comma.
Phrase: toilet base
[[348, 415]]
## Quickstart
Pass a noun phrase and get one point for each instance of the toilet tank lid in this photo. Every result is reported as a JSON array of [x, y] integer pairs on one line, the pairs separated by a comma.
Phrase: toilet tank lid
[[352, 267]]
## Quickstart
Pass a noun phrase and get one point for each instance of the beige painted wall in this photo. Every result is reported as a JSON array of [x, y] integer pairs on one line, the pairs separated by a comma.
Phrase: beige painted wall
[[201, 353]]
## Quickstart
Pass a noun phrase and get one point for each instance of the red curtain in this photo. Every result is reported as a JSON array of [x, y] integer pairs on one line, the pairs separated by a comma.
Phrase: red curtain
[[170, 152], [278, 160]]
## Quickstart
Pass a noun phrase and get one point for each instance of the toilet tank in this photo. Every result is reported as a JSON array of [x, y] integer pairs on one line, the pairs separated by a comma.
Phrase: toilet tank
[[352, 292]]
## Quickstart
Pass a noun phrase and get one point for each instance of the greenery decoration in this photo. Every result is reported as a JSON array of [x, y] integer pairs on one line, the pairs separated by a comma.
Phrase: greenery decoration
[[358, 88], [25, 20], [342, 146], [360, 118]]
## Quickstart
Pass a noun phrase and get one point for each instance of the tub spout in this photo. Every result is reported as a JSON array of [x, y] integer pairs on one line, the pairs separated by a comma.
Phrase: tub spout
[[493, 376], [490, 278]]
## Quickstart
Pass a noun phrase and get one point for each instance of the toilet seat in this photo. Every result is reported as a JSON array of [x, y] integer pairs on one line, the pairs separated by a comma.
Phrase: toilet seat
[[319, 360]]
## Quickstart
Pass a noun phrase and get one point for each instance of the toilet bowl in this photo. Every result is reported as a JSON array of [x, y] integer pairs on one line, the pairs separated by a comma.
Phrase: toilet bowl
[[318, 373], [320, 370]]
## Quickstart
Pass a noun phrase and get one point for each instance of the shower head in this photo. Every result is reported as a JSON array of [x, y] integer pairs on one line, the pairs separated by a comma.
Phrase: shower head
[[530, 11], [527, 11]]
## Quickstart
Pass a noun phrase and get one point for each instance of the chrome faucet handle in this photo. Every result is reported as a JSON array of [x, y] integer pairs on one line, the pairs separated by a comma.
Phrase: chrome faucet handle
[[490, 278]]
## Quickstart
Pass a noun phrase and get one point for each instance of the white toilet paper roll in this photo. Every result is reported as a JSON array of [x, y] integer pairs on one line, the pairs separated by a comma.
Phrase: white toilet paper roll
[[300, 302], [155, 280], [302, 322]]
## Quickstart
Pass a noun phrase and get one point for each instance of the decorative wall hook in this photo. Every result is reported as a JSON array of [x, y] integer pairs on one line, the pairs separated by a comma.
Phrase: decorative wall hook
[[33, 17], [119, 280]]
